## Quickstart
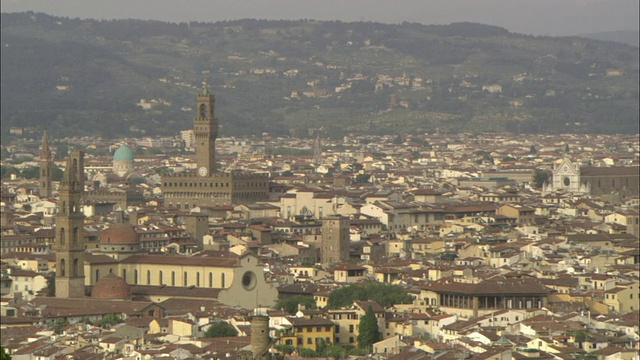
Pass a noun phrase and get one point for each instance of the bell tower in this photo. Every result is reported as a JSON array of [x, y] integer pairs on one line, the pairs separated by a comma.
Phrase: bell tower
[[46, 166], [206, 133], [69, 245]]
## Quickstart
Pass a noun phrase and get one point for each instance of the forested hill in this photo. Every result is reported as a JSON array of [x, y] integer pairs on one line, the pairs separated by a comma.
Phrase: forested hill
[[89, 77]]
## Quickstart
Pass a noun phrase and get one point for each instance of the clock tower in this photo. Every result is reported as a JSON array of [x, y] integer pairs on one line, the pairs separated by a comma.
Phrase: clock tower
[[206, 186], [206, 132]]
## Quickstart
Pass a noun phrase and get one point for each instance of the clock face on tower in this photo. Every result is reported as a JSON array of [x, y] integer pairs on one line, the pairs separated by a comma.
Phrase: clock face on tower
[[202, 171]]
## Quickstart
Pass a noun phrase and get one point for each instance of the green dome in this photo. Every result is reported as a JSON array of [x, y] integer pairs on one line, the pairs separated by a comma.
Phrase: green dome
[[124, 153]]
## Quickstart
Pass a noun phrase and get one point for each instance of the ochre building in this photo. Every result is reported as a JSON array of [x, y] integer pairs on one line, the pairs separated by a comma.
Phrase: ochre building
[[232, 279]]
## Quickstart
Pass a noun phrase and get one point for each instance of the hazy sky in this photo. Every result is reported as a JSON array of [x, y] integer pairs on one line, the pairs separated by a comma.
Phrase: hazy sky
[[539, 17]]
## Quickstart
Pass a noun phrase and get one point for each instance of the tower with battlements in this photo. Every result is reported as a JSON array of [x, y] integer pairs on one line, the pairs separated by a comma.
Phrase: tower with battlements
[[205, 127], [206, 186], [335, 239]]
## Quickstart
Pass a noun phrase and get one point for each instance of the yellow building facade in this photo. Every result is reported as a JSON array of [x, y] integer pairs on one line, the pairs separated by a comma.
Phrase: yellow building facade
[[240, 278], [309, 333]]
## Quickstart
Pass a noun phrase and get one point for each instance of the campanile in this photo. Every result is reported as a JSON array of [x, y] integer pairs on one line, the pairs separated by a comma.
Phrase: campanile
[[69, 245], [206, 133]]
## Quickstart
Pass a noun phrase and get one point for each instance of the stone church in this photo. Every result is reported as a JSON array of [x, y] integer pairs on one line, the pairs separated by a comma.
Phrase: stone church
[[614, 183], [206, 186], [229, 278]]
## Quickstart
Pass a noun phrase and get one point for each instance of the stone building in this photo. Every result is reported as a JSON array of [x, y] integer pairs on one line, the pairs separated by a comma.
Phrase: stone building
[[46, 168], [334, 247], [614, 182], [618, 181], [233, 279], [69, 246], [206, 186], [123, 198], [468, 299]]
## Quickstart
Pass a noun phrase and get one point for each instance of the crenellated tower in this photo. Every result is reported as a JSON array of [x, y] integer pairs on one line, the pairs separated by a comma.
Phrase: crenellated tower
[[46, 167], [206, 186], [335, 239], [206, 133], [69, 244]]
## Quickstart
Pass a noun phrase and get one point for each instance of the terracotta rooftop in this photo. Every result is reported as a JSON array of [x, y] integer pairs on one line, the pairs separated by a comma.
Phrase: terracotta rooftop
[[501, 286], [111, 286], [120, 233], [182, 260]]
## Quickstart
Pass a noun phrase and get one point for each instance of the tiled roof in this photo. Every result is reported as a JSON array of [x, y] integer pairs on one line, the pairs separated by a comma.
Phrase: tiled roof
[[310, 322], [501, 286], [183, 260]]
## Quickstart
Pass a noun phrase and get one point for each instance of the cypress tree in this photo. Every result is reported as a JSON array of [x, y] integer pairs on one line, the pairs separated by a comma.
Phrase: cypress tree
[[368, 334]]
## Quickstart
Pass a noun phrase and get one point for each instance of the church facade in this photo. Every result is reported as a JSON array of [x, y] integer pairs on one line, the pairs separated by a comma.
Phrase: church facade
[[233, 279], [206, 186], [614, 182]]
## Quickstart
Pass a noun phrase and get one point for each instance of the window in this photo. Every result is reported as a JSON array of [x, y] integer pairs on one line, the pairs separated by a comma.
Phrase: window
[[309, 341]]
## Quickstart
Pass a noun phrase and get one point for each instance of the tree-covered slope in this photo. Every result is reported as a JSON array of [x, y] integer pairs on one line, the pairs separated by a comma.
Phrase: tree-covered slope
[[86, 77]]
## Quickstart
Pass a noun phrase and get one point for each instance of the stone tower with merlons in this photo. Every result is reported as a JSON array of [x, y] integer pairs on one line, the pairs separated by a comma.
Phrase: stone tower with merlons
[[206, 186], [206, 132], [69, 246], [335, 239], [46, 168]]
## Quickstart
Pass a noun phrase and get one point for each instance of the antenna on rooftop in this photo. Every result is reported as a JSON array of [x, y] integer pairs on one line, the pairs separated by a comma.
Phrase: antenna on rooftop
[[205, 87]]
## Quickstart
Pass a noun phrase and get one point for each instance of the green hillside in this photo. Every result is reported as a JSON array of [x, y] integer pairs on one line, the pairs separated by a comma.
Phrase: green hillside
[[86, 77]]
